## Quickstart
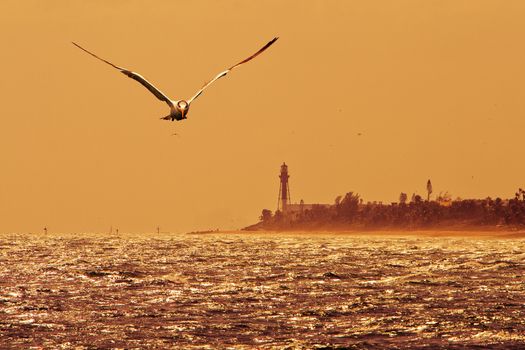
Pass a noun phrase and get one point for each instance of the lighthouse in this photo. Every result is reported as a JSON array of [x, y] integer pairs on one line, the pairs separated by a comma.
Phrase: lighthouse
[[284, 190]]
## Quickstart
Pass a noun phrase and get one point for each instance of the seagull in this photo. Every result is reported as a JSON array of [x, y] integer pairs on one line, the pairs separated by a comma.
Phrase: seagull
[[178, 108]]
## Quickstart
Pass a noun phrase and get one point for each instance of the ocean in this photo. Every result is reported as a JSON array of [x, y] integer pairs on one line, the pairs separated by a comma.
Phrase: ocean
[[260, 291]]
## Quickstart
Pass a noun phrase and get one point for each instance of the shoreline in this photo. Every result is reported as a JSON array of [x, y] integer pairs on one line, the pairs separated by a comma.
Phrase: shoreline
[[492, 233], [471, 232]]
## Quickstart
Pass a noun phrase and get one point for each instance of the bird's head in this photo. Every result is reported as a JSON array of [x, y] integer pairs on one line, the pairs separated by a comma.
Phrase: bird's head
[[183, 106]]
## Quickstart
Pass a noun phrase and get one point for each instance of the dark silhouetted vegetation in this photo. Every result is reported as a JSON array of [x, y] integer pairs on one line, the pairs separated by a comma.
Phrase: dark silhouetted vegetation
[[349, 212]]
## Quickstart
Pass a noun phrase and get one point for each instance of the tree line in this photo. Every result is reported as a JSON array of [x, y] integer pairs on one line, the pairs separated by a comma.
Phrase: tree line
[[349, 212]]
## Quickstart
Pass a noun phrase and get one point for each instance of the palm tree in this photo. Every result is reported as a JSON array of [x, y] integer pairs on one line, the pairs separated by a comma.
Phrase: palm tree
[[403, 198]]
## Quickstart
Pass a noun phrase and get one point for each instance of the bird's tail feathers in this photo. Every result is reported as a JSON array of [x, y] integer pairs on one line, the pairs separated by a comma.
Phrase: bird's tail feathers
[[168, 117]]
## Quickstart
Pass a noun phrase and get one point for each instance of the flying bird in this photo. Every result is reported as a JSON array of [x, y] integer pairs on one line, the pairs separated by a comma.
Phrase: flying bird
[[178, 108]]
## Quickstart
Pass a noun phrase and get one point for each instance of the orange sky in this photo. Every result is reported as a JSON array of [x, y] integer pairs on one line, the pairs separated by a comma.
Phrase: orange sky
[[436, 88]]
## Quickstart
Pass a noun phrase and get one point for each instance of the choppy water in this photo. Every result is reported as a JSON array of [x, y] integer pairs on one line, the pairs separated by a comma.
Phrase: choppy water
[[260, 291]]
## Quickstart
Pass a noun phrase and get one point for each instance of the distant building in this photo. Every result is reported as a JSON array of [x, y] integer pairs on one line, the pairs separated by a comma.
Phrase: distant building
[[284, 204]]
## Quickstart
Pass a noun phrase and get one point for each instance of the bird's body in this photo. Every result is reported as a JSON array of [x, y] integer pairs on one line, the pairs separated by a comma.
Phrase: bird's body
[[178, 108], [178, 111], [176, 114]]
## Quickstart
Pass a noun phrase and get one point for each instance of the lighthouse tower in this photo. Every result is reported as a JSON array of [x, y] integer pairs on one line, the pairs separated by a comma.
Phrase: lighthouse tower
[[284, 190]]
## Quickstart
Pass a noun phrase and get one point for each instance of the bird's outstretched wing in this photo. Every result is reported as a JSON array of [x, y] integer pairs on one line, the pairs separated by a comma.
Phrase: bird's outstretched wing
[[221, 74], [135, 76]]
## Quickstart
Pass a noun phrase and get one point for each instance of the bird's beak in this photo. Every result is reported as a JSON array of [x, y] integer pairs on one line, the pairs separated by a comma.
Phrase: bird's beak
[[183, 112]]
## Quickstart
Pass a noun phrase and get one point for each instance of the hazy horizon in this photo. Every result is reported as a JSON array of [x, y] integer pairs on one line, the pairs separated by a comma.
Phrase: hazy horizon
[[435, 90]]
